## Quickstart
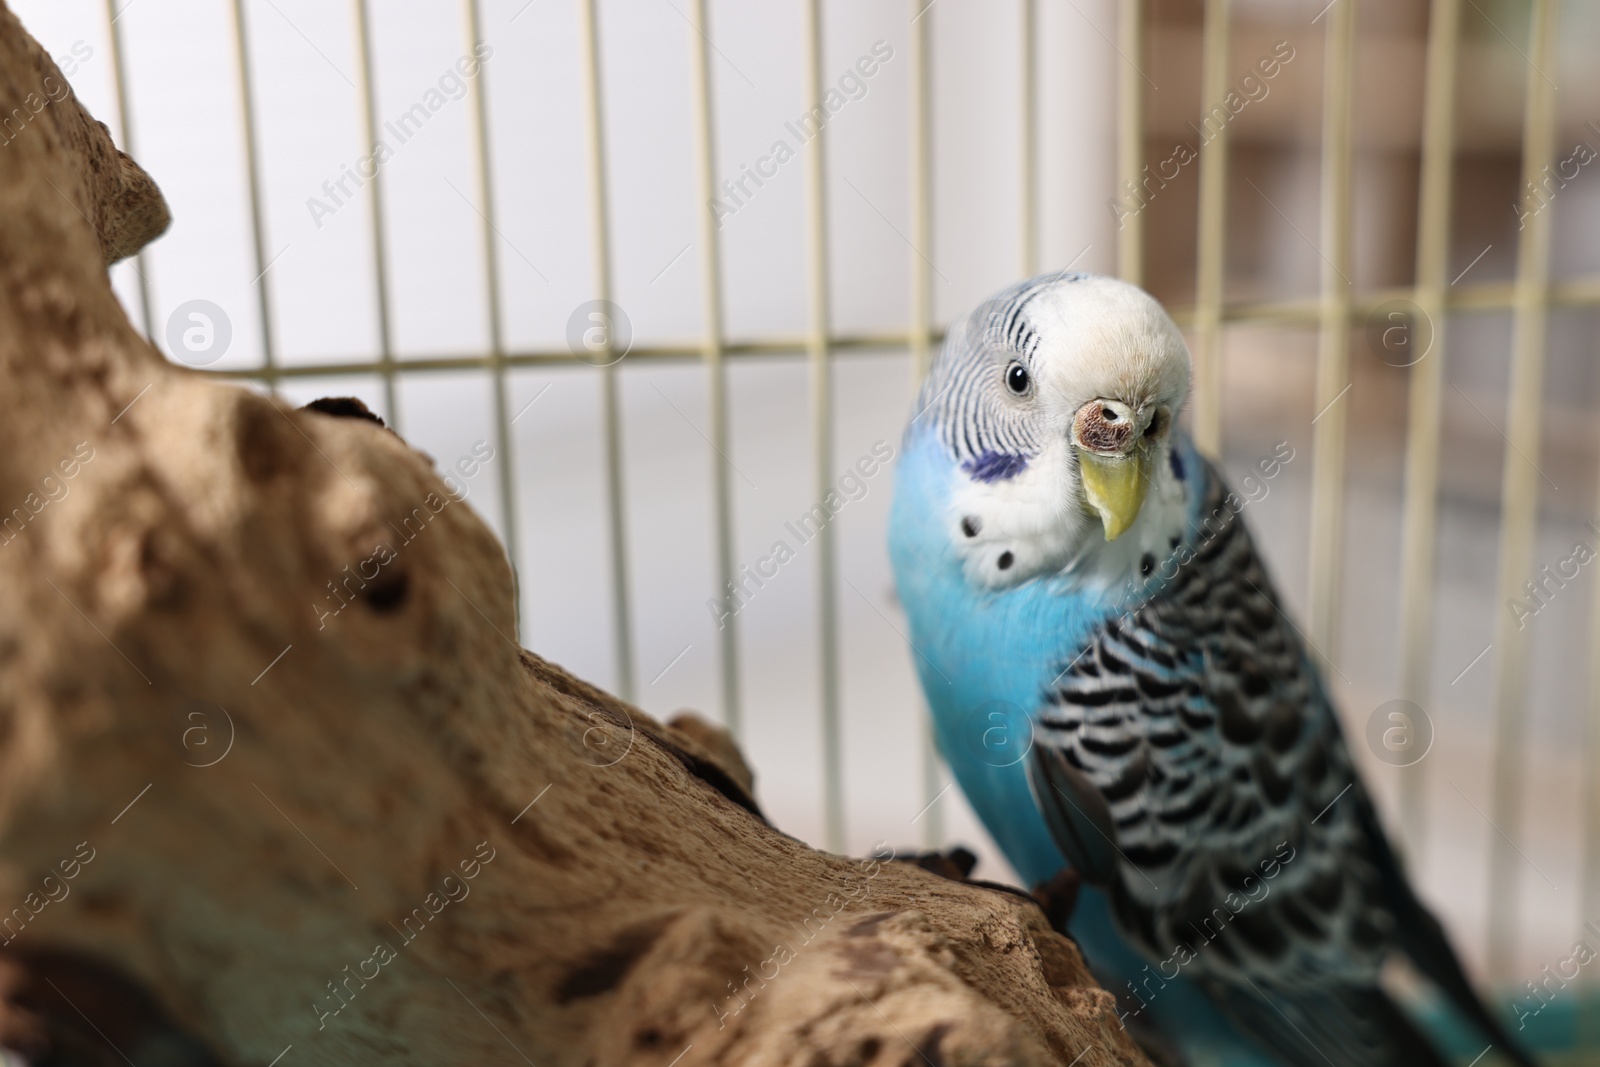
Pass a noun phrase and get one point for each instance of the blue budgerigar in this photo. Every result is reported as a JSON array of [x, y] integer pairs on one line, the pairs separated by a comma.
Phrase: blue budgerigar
[[1115, 685]]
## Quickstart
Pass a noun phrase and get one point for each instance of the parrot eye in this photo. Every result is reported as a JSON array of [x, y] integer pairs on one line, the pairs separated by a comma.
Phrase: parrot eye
[[1017, 379]]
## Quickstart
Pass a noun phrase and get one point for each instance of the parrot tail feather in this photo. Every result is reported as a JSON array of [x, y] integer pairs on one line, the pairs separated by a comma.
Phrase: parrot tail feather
[[1349, 1026]]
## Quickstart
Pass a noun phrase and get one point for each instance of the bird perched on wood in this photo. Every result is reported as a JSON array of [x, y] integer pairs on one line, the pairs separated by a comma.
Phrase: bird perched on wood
[[1115, 685]]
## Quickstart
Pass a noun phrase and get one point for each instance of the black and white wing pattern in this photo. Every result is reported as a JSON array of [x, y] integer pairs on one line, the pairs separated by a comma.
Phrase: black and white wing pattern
[[1189, 762]]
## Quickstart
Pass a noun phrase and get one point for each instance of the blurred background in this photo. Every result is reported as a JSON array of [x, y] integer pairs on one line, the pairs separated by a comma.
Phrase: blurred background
[[1332, 198]]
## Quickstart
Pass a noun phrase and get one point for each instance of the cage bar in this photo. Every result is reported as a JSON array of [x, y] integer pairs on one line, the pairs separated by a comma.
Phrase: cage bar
[[921, 338], [1028, 114], [484, 165], [1130, 136], [1478, 296], [1333, 341], [600, 240], [839, 344], [716, 376], [366, 72], [1210, 247], [822, 437], [1484, 297], [920, 332], [119, 78], [1589, 898], [241, 40], [1420, 521], [1519, 493]]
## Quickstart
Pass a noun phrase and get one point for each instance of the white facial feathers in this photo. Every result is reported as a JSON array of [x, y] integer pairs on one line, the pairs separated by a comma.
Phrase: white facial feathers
[[1100, 337], [1017, 507]]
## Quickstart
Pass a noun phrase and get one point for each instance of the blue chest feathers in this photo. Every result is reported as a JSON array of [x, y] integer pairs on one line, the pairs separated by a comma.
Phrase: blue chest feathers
[[985, 657]]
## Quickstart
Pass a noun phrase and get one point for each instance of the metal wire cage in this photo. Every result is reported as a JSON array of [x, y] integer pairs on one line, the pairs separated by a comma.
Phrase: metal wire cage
[[1433, 302]]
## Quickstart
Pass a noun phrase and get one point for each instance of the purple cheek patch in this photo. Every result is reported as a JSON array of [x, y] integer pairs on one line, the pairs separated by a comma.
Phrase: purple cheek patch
[[995, 466], [1177, 464]]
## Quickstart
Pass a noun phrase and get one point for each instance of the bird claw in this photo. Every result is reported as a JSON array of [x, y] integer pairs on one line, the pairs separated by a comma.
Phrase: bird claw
[[1058, 896], [955, 864]]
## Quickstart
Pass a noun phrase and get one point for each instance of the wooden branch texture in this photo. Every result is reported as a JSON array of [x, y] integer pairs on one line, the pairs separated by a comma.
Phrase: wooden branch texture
[[277, 781]]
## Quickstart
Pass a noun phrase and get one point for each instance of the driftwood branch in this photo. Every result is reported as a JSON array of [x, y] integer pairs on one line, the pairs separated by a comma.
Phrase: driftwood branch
[[276, 779]]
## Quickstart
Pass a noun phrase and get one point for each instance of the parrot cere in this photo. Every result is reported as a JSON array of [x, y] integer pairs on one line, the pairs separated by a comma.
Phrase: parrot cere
[[1116, 687]]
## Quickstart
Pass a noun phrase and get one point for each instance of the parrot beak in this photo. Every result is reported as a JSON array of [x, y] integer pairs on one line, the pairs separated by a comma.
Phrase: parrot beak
[[1115, 487], [1114, 458]]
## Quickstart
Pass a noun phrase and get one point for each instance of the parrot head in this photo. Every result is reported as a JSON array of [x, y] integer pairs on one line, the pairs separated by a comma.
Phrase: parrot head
[[1056, 401]]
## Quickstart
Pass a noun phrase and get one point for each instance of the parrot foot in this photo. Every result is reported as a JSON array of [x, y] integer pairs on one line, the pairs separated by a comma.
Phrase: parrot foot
[[955, 864], [1058, 896]]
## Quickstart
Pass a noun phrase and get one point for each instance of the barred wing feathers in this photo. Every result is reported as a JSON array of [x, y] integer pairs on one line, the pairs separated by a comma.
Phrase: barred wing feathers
[[1244, 849]]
